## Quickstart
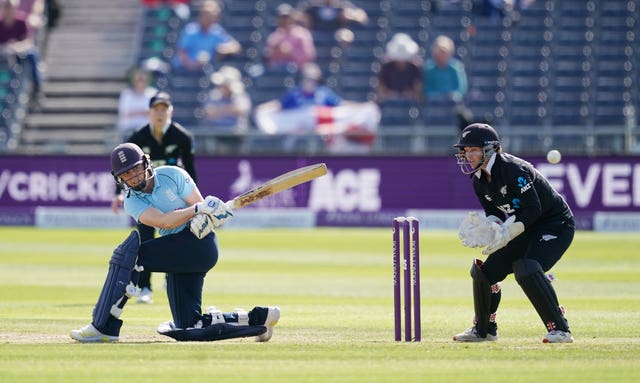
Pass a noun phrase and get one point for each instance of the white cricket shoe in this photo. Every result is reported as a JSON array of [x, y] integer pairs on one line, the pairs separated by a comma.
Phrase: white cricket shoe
[[146, 296], [471, 335], [272, 319], [91, 334], [558, 336]]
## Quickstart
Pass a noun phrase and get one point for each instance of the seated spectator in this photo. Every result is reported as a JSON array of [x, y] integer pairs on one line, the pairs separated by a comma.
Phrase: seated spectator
[[226, 110], [133, 104], [332, 16], [180, 7], [15, 41], [204, 41], [312, 108], [400, 75], [445, 78], [290, 42], [444, 75]]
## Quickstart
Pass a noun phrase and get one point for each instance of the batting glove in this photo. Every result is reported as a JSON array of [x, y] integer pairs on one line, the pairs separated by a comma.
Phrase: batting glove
[[504, 233], [201, 225], [217, 210]]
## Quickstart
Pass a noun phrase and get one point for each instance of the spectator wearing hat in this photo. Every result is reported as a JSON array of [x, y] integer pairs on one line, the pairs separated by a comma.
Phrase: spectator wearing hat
[[204, 41], [400, 75], [289, 42], [167, 143], [226, 110]]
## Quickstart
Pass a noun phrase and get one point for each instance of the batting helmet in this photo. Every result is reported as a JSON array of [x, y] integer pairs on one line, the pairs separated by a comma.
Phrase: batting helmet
[[125, 157]]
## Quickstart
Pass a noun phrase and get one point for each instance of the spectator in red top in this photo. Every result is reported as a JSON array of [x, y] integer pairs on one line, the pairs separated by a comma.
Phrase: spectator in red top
[[290, 42]]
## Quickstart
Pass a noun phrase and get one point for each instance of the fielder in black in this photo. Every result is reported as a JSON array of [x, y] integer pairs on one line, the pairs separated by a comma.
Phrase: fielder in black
[[530, 228], [167, 143]]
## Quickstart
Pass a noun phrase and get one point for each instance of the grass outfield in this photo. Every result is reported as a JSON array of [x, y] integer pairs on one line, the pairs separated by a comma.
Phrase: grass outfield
[[333, 287]]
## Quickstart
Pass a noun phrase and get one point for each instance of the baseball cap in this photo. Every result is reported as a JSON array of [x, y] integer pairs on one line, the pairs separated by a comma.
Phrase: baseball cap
[[160, 98]]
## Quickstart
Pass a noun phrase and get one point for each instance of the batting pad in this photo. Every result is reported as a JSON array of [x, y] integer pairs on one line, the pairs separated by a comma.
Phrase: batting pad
[[119, 277], [218, 331]]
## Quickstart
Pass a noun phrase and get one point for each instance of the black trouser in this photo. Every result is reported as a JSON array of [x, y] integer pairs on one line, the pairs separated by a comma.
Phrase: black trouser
[[544, 243]]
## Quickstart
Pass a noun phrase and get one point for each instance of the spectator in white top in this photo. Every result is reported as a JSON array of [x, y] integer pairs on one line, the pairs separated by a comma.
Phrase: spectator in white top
[[133, 104]]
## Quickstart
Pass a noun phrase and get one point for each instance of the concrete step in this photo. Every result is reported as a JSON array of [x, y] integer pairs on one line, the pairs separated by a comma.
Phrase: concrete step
[[64, 148], [87, 88], [80, 105], [105, 72], [66, 135], [71, 120]]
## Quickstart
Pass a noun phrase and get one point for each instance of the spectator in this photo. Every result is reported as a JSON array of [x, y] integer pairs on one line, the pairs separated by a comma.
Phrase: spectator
[[312, 108], [445, 79], [444, 75], [133, 104], [227, 108], [180, 7], [331, 14], [290, 42], [167, 143], [204, 41], [324, 16], [400, 75], [16, 41]]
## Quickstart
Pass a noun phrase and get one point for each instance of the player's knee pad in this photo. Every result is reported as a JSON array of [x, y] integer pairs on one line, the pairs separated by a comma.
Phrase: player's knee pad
[[537, 287], [118, 284]]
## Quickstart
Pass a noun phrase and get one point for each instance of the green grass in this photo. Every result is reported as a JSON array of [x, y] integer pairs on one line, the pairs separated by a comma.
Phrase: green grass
[[334, 289]]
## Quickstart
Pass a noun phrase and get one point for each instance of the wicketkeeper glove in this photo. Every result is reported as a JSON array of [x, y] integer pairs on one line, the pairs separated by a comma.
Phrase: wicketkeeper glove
[[217, 210], [477, 231], [504, 233]]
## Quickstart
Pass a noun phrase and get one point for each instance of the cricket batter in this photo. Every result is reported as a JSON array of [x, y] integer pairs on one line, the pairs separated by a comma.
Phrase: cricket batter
[[533, 227], [167, 143], [168, 199]]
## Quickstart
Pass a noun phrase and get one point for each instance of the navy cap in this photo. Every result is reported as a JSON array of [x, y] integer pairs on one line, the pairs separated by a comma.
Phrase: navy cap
[[160, 98]]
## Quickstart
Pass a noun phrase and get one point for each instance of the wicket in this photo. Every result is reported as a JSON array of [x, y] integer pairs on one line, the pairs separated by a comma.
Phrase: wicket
[[411, 265]]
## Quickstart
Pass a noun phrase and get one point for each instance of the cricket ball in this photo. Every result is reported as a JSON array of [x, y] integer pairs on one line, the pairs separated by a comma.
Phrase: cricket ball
[[554, 156]]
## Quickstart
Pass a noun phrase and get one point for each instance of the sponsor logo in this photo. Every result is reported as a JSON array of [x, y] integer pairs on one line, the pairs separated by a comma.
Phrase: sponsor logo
[[523, 185]]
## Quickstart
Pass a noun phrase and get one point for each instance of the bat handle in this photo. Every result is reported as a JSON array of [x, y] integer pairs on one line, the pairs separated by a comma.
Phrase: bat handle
[[230, 204]]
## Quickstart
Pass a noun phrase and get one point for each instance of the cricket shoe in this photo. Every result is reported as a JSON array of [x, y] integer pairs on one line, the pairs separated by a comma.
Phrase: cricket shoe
[[146, 296], [91, 334], [272, 315], [471, 335], [558, 336]]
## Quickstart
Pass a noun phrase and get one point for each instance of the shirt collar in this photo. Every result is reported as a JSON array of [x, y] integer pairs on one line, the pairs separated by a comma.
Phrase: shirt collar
[[164, 128], [492, 161]]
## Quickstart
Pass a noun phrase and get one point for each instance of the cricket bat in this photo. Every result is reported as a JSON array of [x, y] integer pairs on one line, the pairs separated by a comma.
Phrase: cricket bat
[[278, 184]]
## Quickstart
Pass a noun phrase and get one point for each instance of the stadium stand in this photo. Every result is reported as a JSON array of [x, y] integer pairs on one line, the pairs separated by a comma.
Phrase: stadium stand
[[556, 74]]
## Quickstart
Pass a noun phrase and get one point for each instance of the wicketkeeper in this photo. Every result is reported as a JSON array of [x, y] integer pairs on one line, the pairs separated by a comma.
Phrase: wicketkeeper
[[527, 228], [167, 198]]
